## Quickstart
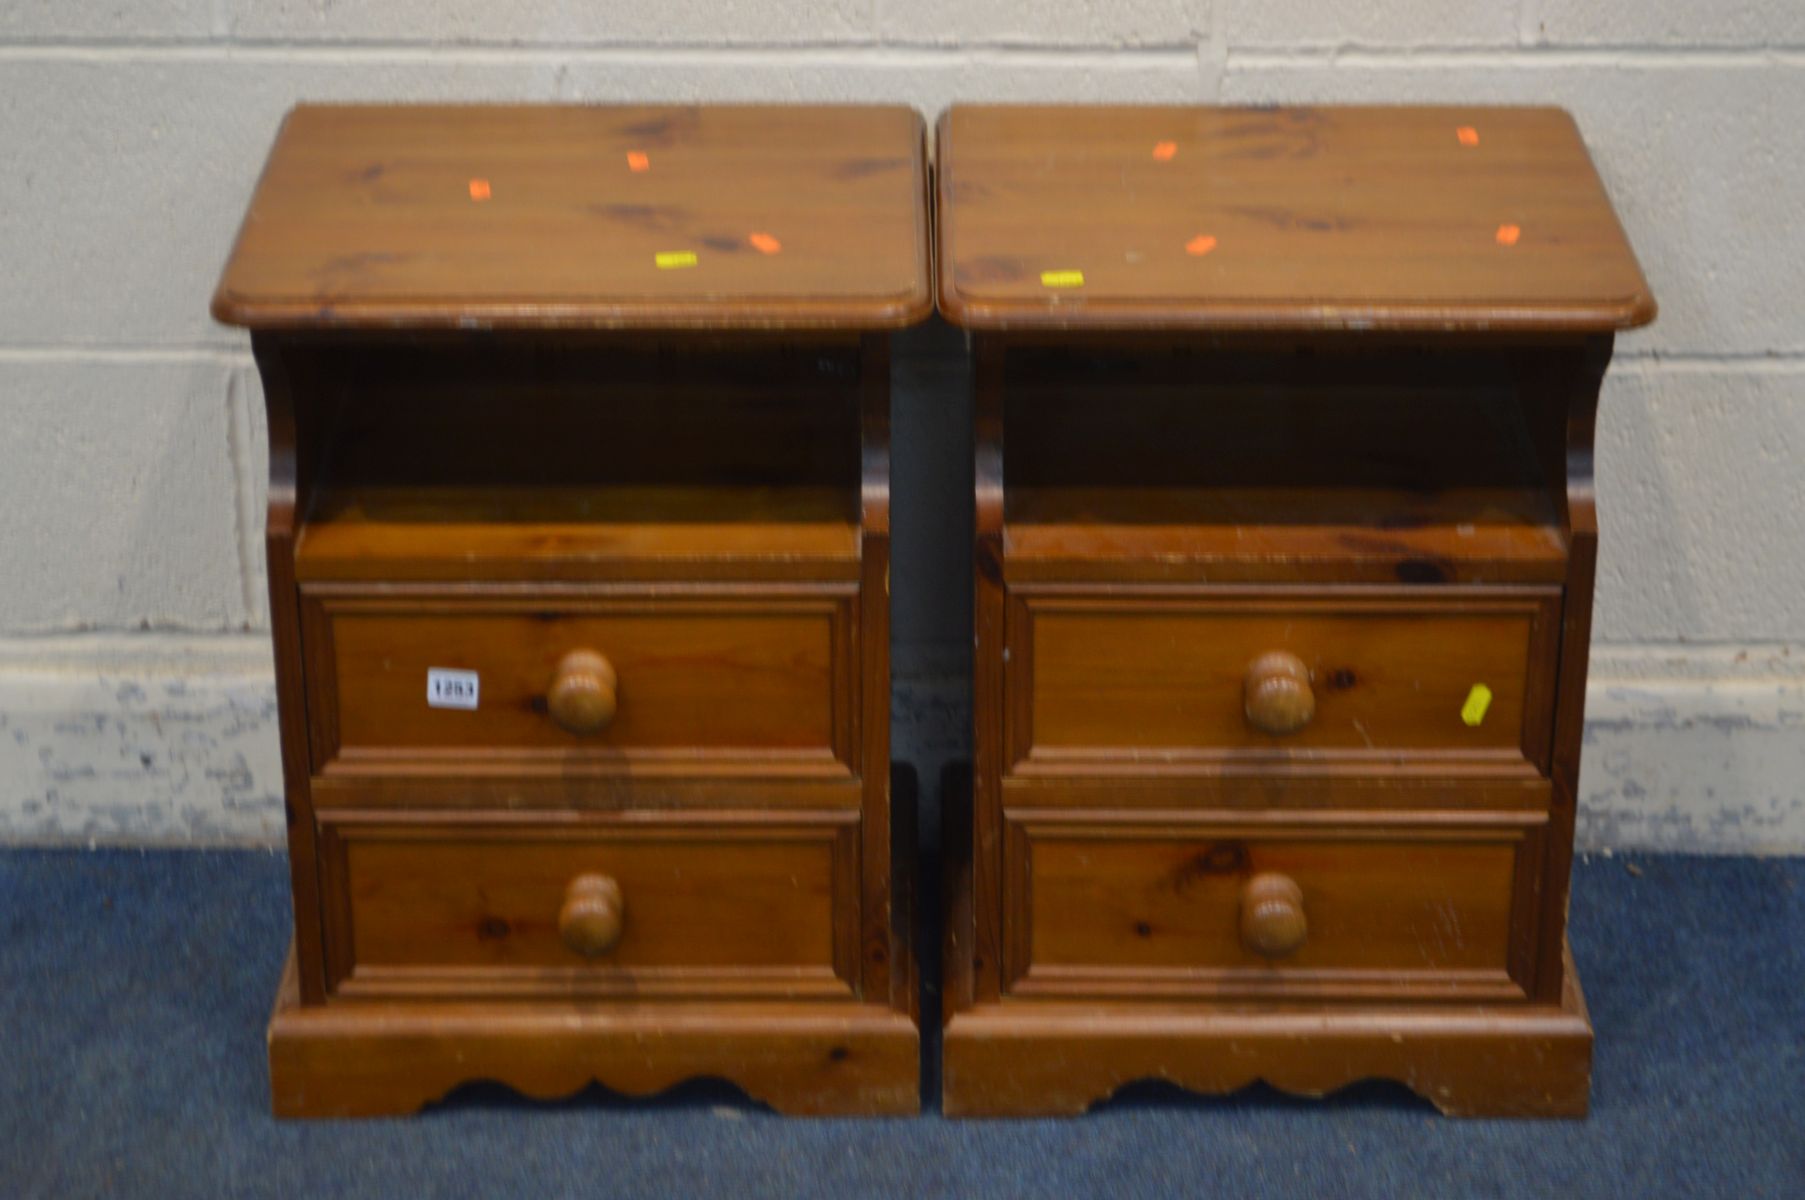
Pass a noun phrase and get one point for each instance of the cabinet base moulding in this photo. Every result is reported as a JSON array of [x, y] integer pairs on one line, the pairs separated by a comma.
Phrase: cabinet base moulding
[[805, 1059], [1030, 1059]]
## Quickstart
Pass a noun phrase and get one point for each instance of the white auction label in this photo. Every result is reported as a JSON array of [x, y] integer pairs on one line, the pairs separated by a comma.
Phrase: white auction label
[[446, 688]]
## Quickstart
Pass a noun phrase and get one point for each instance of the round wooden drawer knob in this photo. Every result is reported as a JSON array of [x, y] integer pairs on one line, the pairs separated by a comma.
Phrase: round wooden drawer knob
[[590, 921], [1272, 915], [581, 696], [1278, 695]]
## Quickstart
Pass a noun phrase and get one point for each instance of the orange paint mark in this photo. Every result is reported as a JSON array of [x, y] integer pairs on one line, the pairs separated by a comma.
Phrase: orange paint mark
[[479, 189], [637, 160], [1200, 245], [764, 243], [1165, 151], [1508, 235], [1468, 135]]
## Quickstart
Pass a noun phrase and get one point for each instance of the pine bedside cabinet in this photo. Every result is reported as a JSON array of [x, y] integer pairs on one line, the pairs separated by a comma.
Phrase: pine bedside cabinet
[[578, 569], [1284, 563]]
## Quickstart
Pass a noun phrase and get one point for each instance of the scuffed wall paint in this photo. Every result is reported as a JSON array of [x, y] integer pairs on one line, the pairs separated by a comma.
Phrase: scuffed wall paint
[[179, 750], [1700, 753]]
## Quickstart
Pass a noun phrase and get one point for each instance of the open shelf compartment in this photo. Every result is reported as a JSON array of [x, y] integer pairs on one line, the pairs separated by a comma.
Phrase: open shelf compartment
[[1257, 465], [556, 461]]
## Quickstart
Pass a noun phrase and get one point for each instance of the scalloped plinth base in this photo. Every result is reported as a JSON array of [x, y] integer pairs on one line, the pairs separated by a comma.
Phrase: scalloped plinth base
[[368, 1059], [1034, 1059]]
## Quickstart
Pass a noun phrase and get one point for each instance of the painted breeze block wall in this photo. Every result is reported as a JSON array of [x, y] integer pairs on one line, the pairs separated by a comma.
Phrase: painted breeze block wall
[[136, 702]]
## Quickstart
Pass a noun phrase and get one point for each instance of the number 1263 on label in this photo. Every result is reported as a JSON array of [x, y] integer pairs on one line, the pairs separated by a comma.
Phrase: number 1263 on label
[[450, 689]]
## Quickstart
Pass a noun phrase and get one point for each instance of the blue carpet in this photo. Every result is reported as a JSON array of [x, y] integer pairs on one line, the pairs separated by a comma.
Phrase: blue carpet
[[136, 987]]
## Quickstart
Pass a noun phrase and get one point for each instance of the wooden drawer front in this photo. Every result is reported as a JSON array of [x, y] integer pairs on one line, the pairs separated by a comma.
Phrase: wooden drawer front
[[1154, 908], [708, 907], [705, 684], [1156, 680]]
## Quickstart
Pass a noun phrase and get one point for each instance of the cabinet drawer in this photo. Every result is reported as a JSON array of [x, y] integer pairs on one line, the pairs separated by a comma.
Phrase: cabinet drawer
[[1157, 680], [548, 680], [637, 905], [1357, 907]]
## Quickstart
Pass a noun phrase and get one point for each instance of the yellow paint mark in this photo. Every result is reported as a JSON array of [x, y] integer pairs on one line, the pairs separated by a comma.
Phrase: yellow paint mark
[[1062, 279], [1200, 245], [764, 243], [1508, 235], [637, 160], [479, 189], [672, 260], [1478, 700], [1165, 151], [1468, 135]]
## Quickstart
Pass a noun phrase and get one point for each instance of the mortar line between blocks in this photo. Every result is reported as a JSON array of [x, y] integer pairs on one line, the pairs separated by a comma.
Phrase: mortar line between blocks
[[238, 445], [849, 52]]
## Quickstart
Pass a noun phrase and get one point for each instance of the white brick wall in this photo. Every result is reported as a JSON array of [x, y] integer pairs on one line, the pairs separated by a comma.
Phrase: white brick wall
[[1295, 24], [1679, 23], [120, 505], [560, 23], [131, 462]]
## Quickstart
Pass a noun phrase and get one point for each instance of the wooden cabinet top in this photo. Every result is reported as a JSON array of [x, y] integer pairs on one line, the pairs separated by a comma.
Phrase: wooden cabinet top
[[771, 217], [1294, 219]]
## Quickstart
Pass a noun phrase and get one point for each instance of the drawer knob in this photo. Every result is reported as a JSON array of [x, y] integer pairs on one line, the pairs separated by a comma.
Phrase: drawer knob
[[1272, 915], [1278, 695], [581, 696], [590, 921]]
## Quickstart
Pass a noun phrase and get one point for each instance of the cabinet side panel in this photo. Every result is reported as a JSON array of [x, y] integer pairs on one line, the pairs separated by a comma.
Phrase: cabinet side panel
[[293, 420]]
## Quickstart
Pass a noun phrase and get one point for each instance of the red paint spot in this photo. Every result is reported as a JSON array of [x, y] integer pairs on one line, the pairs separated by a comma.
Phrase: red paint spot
[[479, 189], [637, 160], [764, 243], [1165, 151], [1508, 235], [1468, 135], [1200, 245]]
